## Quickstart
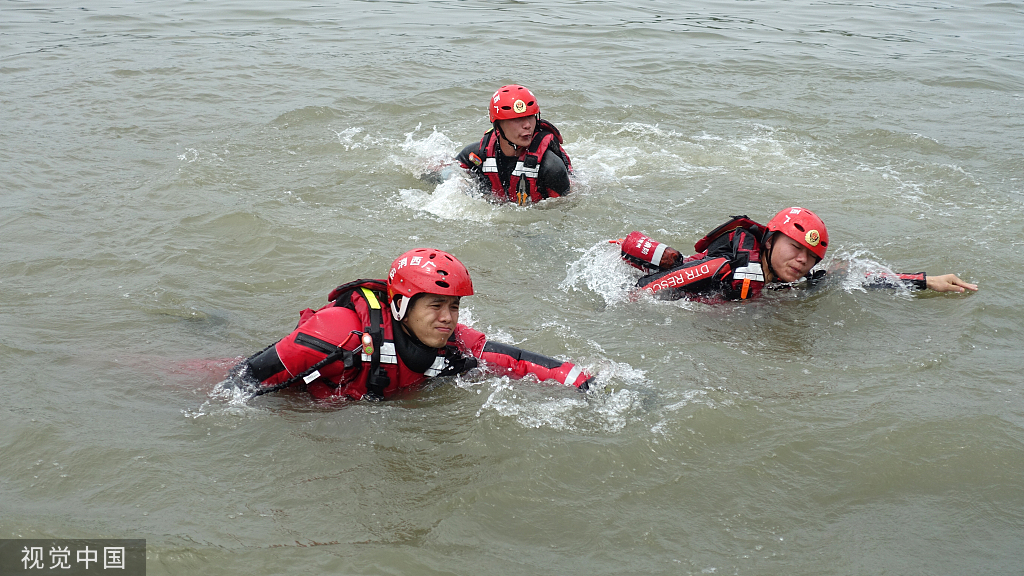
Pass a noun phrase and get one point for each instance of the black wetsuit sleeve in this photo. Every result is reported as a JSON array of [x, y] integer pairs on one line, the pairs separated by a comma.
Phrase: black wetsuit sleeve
[[464, 159], [553, 178], [473, 167], [918, 280]]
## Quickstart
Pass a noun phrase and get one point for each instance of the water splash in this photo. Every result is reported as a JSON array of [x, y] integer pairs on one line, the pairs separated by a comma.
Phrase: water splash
[[230, 396], [426, 156], [858, 272], [616, 398], [346, 138], [454, 199], [600, 270]]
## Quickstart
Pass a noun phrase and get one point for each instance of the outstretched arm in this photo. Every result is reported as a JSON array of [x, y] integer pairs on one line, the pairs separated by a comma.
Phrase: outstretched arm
[[921, 281], [949, 283], [516, 362], [519, 363]]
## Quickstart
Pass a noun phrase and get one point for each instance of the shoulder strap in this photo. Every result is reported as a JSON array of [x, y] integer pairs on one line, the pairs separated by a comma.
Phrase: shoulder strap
[[542, 140], [372, 292], [373, 339], [549, 127], [348, 287], [485, 142], [732, 224], [556, 145]]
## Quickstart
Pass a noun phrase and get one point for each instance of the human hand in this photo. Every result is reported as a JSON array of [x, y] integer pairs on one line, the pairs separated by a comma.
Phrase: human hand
[[448, 172], [949, 283], [440, 175]]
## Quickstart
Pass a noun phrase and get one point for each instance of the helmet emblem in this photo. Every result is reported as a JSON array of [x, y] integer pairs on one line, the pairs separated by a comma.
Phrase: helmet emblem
[[519, 107], [812, 237]]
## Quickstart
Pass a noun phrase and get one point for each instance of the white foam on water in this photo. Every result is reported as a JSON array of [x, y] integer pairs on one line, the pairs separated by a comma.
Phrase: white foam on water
[[616, 398], [862, 272], [600, 270]]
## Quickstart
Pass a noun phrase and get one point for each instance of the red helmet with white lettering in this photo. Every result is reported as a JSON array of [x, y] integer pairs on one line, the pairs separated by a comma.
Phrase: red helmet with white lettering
[[425, 271], [512, 101], [803, 226]]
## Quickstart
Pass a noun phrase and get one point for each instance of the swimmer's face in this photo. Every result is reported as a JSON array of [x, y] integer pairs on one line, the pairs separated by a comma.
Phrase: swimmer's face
[[519, 131], [432, 319], [791, 260]]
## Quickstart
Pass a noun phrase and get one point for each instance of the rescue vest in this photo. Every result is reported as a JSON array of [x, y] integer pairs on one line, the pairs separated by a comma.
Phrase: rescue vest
[[727, 262], [349, 348], [522, 187]]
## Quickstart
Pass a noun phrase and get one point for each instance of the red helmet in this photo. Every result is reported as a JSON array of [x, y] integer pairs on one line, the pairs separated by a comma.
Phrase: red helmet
[[426, 271], [804, 227], [512, 101]]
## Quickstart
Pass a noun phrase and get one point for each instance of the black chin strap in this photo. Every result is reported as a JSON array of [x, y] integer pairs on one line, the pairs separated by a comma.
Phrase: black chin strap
[[767, 259], [501, 134], [414, 353]]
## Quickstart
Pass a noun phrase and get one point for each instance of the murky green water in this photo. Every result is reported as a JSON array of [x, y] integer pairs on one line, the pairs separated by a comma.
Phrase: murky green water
[[180, 179]]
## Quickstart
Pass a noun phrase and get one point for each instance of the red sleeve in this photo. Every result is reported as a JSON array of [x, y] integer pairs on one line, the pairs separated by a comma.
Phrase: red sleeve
[[641, 252], [690, 276], [919, 280], [517, 363]]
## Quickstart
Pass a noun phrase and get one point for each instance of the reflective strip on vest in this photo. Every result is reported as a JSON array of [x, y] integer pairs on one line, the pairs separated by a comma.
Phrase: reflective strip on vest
[[751, 271], [491, 165], [440, 363], [522, 171], [371, 299], [387, 354]]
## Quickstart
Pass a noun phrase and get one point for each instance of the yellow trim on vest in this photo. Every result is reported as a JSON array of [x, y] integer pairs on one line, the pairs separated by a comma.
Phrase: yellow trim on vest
[[371, 299]]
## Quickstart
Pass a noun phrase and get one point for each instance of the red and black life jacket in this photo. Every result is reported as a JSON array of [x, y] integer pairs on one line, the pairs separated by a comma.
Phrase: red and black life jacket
[[349, 348], [727, 263], [522, 187]]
